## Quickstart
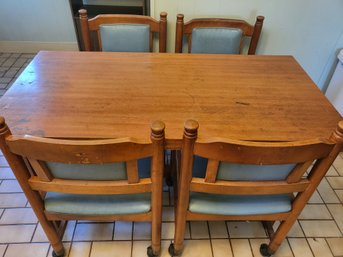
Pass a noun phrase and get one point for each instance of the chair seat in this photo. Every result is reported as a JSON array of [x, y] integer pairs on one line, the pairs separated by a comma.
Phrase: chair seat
[[239, 204], [97, 204]]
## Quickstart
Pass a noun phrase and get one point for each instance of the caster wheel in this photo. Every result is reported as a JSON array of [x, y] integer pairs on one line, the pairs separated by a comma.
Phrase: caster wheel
[[61, 254], [169, 182], [171, 250], [150, 253], [264, 250]]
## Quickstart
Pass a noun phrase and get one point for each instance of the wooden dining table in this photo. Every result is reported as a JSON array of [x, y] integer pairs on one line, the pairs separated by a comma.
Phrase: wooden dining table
[[111, 95]]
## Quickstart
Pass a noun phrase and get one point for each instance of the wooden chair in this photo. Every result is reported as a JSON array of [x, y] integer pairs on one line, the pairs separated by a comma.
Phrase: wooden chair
[[122, 33], [104, 180], [217, 36], [244, 180]]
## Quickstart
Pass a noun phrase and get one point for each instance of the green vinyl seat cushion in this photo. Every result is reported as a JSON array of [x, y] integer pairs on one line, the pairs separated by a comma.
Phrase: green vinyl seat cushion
[[239, 204], [216, 40], [125, 37], [97, 204]]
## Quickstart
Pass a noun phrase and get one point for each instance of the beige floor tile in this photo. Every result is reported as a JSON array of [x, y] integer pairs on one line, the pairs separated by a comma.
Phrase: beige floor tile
[[295, 231], [336, 245], [218, 229], [139, 248], [300, 247], [12, 200], [66, 249], [10, 186], [283, 251], [241, 229], [39, 235], [6, 173], [320, 228], [241, 247], [316, 198], [339, 194], [221, 248], [27, 250], [337, 213], [80, 249], [315, 211], [199, 230], [69, 232], [95, 231], [142, 231], [332, 172], [16, 233], [168, 230], [2, 249], [113, 249], [327, 193], [319, 247], [168, 214], [335, 182], [122, 230], [338, 164], [18, 216], [197, 248]]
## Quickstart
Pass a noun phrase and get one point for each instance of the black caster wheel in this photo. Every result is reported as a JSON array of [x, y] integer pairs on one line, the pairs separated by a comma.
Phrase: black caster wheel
[[169, 182], [150, 253], [264, 250], [171, 250], [61, 254]]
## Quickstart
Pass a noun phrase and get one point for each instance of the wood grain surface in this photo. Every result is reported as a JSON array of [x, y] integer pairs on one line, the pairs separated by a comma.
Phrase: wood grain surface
[[112, 95]]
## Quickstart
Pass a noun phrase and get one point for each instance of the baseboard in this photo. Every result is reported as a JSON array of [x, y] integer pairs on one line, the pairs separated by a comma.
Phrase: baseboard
[[34, 47]]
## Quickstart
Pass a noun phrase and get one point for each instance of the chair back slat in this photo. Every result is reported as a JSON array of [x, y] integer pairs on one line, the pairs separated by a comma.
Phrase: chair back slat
[[211, 171], [41, 170], [132, 171], [263, 153], [298, 171], [78, 151], [247, 187], [90, 187]]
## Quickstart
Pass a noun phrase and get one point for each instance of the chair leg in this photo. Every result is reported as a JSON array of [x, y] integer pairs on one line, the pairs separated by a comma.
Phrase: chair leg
[[58, 254], [279, 235]]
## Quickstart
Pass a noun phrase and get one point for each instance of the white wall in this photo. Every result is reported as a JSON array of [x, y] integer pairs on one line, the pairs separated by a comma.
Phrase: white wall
[[310, 30], [31, 24]]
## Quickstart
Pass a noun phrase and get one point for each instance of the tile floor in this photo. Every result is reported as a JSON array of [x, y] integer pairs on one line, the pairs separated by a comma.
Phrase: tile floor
[[317, 233]]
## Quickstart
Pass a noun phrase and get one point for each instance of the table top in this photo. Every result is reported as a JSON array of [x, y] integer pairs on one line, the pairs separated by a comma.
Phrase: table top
[[110, 95]]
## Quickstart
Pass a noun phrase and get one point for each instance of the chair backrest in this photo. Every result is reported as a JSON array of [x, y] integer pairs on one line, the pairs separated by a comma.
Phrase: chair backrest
[[213, 35], [301, 155], [108, 166], [122, 33]]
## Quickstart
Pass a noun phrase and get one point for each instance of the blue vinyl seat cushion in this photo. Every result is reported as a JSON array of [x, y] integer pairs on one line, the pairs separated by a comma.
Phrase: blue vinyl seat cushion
[[106, 171], [216, 40], [234, 171], [239, 204], [125, 37], [97, 204]]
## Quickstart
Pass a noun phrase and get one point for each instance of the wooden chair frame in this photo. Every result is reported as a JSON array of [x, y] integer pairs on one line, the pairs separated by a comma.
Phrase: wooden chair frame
[[27, 156], [92, 25], [321, 152], [247, 30]]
